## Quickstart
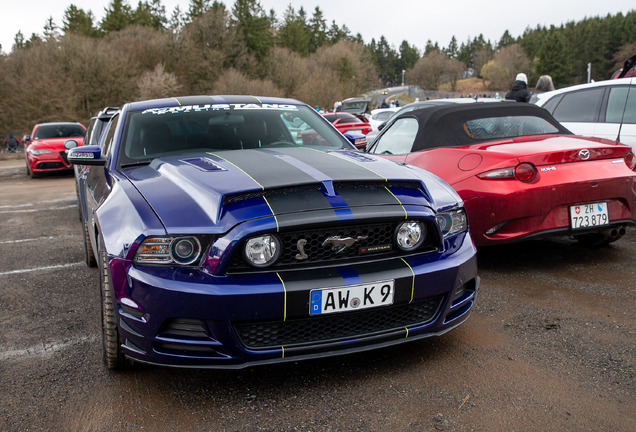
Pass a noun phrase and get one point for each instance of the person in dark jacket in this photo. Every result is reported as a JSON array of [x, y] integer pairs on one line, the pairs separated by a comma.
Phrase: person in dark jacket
[[519, 91]]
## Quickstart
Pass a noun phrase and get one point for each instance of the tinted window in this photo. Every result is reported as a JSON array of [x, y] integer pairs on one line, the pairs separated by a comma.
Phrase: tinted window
[[507, 127], [549, 105], [59, 131], [110, 134], [383, 116], [616, 105], [398, 139], [580, 106]]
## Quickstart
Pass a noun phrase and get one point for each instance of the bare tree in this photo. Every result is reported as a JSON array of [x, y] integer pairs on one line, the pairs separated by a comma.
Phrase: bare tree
[[236, 82], [157, 84], [429, 71], [507, 63]]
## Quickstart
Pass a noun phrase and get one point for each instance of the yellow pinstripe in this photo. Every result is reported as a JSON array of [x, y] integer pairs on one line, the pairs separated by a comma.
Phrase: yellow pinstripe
[[413, 281]]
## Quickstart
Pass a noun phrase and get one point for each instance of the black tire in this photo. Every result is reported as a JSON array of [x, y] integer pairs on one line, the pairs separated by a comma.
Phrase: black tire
[[89, 255], [31, 173], [112, 354]]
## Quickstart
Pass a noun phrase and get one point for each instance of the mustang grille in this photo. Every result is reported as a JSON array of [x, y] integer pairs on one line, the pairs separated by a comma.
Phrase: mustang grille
[[333, 327], [375, 184], [318, 255]]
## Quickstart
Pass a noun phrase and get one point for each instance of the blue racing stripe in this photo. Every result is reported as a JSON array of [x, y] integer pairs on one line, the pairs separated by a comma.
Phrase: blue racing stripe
[[343, 214], [349, 275]]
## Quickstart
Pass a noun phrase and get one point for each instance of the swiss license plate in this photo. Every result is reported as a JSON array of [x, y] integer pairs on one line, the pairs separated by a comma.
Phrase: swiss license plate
[[350, 298], [589, 215]]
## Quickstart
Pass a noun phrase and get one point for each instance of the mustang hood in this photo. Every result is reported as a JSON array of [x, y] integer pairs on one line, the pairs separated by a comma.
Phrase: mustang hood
[[212, 192]]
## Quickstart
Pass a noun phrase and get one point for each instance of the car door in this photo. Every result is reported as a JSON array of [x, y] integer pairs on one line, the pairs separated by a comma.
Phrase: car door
[[619, 107], [98, 183], [579, 110]]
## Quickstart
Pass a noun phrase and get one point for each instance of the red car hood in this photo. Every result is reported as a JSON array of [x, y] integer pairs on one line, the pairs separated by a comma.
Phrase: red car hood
[[455, 164], [56, 144]]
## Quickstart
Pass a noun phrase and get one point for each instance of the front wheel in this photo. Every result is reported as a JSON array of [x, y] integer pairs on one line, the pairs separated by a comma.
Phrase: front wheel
[[112, 353]]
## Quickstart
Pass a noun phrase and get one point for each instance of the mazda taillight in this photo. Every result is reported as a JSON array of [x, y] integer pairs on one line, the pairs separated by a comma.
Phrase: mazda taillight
[[525, 172], [630, 160]]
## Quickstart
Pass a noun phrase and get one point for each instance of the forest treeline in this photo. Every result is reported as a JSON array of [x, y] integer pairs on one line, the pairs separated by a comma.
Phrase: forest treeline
[[71, 71]]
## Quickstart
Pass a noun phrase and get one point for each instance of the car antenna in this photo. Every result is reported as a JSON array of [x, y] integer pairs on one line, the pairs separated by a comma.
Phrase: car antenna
[[629, 63]]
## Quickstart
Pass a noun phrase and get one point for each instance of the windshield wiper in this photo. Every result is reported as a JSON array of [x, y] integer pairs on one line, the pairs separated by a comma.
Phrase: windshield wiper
[[138, 163], [386, 152]]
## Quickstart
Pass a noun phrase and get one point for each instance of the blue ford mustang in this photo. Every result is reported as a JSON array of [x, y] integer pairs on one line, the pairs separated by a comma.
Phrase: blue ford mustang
[[235, 230]]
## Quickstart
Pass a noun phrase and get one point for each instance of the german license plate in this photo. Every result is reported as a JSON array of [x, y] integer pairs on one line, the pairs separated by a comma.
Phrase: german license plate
[[350, 298], [354, 131], [589, 215]]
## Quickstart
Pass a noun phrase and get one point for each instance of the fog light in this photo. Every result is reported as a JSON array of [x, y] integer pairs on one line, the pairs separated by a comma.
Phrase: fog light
[[410, 235], [262, 251]]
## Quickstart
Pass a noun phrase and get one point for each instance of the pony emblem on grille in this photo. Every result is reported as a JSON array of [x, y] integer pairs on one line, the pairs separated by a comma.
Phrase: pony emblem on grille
[[339, 244]]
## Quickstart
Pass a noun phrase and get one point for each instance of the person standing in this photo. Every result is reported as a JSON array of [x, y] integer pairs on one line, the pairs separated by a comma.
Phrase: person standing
[[544, 84], [519, 91]]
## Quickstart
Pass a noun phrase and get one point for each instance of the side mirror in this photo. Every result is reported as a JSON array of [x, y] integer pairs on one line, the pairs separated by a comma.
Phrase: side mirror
[[85, 155], [70, 144], [358, 140]]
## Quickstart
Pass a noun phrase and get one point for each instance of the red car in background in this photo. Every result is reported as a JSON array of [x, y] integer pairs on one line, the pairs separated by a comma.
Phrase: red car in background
[[520, 173], [348, 123], [45, 151]]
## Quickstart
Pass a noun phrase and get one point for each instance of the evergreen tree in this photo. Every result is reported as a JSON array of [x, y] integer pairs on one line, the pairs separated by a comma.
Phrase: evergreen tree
[[18, 41], [177, 20], [255, 27], [151, 14], [318, 30], [51, 32], [506, 40], [294, 33], [118, 16], [553, 58], [77, 21], [453, 50], [430, 48], [409, 55], [197, 9]]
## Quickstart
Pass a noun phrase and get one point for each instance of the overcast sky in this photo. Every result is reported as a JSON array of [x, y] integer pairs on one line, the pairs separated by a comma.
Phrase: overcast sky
[[414, 20]]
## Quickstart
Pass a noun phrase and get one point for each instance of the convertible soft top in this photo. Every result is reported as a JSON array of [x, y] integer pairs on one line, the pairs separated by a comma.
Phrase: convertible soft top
[[442, 123]]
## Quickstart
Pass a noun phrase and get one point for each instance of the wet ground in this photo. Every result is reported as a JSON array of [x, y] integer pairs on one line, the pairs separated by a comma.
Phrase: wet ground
[[551, 345]]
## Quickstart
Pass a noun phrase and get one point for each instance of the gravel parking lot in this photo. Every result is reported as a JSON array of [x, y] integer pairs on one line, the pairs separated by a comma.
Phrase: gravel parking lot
[[551, 345]]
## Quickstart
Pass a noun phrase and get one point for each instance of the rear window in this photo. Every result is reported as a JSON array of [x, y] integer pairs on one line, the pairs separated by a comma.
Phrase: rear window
[[59, 131], [507, 127]]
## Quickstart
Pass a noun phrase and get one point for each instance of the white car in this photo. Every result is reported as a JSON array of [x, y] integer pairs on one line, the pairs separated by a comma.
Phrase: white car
[[380, 115], [596, 109]]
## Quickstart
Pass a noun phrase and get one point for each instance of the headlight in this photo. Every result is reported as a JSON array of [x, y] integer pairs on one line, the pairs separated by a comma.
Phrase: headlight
[[168, 250], [410, 235], [452, 222], [262, 251], [37, 152]]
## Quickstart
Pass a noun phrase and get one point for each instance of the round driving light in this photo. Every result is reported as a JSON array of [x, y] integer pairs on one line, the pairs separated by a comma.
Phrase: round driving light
[[410, 235], [262, 251], [525, 172], [185, 250]]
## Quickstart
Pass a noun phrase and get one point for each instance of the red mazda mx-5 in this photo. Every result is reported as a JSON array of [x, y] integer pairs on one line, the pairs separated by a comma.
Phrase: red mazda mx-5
[[520, 173], [46, 151]]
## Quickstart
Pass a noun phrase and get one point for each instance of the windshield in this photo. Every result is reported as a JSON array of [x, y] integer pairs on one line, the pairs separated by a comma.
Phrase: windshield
[[355, 106], [59, 131], [171, 131]]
